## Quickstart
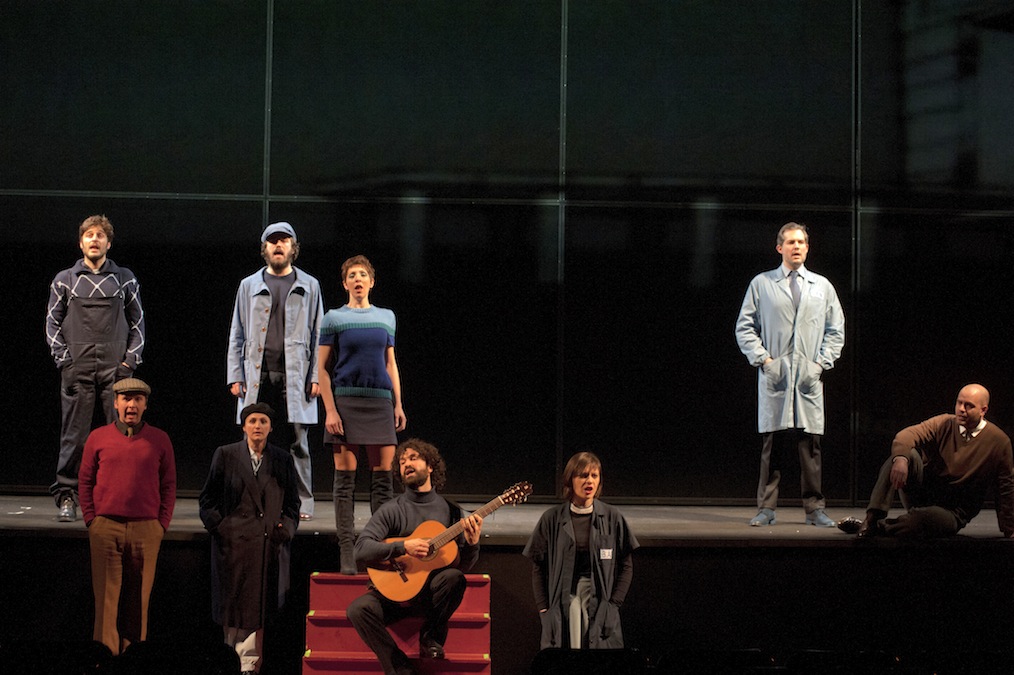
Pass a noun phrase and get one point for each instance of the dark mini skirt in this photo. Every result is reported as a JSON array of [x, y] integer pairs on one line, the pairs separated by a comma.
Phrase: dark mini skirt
[[367, 421]]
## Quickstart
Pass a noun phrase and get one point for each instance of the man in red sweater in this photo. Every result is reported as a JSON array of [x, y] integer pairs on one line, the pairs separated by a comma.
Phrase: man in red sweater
[[944, 468], [127, 488]]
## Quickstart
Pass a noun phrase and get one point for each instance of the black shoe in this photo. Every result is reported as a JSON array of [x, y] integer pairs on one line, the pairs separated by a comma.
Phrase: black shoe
[[870, 527], [401, 664], [431, 649], [850, 525]]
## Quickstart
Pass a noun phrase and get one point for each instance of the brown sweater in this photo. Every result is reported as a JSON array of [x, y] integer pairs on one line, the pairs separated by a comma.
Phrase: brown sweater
[[957, 473]]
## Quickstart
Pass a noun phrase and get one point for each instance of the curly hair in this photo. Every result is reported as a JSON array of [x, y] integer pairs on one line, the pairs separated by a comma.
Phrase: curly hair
[[429, 452], [575, 467]]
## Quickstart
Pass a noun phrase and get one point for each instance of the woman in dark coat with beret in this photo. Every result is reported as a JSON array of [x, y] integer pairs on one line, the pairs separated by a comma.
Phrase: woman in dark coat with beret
[[250, 505]]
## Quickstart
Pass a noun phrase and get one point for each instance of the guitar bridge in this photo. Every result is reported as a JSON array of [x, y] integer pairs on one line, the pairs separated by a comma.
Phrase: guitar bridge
[[400, 570]]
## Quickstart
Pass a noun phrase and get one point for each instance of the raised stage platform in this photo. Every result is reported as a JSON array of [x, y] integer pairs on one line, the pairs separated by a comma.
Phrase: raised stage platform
[[655, 526], [706, 585]]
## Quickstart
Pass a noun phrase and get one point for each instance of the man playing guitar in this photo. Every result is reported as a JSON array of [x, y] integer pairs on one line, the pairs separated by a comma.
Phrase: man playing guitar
[[422, 471]]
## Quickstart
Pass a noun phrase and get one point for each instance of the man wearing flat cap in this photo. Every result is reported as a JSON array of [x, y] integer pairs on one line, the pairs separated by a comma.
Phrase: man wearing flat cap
[[272, 355], [250, 505], [128, 491]]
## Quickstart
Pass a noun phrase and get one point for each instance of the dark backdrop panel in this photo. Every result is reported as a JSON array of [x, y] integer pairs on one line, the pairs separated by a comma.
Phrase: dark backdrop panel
[[149, 97], [474, 291], [880, 117], [935, 315], [428, 136], [188, 257], [369, 96], [653, 377], [476, 341], [710, 91], [936, 88]]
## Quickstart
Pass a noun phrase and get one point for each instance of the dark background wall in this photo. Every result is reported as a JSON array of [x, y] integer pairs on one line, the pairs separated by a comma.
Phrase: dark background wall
[[564, 202]]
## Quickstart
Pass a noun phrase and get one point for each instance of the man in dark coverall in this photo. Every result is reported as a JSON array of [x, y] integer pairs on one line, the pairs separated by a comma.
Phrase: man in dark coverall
[[95, 331]]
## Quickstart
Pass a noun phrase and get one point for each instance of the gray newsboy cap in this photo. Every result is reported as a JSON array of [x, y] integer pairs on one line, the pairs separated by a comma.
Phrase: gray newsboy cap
[[278, 228]]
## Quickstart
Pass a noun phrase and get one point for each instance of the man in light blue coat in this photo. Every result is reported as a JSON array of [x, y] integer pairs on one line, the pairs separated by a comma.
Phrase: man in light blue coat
[[273, 348], [791, 328]]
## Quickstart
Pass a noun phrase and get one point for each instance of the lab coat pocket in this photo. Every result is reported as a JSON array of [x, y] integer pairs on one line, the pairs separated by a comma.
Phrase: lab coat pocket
[[775, 375], [810, 381]]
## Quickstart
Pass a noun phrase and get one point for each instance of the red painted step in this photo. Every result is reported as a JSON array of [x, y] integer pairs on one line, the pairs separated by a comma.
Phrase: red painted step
[[333, 646]]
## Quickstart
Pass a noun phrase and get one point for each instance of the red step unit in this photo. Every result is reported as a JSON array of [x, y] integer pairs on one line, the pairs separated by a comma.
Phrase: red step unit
[[333, 646]]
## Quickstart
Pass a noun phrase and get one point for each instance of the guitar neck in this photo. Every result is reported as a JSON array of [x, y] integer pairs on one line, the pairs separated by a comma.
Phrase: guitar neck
[[452, 532]]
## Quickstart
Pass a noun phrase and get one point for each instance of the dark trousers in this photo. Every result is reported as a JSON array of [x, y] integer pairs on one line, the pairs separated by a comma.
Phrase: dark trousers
[[922, 519], [81, 386], [371, 613], [272, 392], [777, 448], [291, 436]]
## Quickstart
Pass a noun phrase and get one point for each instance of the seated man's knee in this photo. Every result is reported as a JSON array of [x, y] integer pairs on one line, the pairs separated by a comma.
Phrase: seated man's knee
[[932, 521], [449, 577], [360, 608]]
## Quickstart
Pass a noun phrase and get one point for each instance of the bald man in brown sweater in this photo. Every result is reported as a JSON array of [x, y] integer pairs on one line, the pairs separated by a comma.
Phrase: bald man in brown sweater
[[944, 467]]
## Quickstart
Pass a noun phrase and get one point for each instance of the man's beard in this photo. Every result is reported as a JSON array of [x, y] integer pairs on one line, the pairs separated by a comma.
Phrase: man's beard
[[279, 266], [414, 480]]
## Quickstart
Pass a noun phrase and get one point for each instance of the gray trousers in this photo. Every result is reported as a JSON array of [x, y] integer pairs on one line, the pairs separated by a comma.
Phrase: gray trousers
[[290, 436], [577, 614], [778, 445]]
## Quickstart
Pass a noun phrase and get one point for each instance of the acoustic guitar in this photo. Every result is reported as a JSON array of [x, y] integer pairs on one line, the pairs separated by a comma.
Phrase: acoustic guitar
[[401, 579]]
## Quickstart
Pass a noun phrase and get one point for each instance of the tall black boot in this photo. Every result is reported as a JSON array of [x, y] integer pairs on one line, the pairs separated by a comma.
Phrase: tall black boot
[[343, 492], [381, 489]]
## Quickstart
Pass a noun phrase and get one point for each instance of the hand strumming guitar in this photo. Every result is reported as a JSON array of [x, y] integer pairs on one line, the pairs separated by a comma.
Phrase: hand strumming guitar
[[417, 548]]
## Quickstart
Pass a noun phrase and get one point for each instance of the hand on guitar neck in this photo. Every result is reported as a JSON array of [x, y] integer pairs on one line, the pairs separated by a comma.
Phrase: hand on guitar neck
[[471, 526]]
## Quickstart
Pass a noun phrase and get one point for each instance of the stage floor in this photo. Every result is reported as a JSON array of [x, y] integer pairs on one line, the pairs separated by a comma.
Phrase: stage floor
[[654, 526], [705, 582]]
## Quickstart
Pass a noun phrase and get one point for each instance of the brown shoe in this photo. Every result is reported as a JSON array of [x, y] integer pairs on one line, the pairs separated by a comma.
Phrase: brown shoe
[[850, 525]]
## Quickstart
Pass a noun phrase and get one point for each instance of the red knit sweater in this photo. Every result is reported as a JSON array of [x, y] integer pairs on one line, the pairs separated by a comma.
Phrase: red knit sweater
[[129, 478]]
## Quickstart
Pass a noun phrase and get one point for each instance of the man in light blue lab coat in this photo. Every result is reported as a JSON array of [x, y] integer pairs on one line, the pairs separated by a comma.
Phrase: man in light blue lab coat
[[791, 328]]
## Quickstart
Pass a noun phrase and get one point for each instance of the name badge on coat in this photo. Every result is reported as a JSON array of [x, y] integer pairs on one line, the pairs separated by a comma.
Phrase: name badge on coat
[[605, 554]]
